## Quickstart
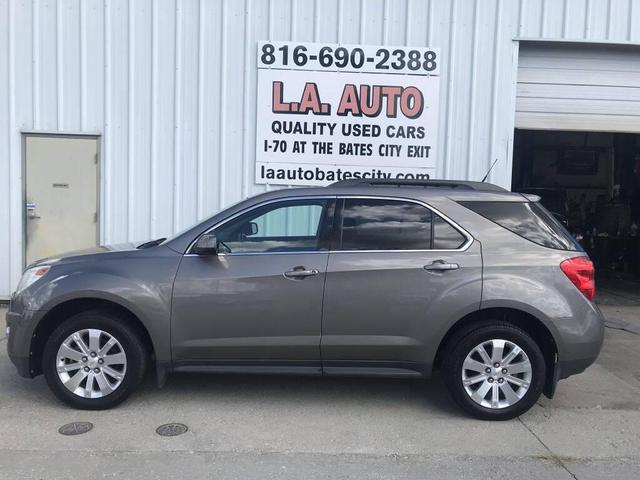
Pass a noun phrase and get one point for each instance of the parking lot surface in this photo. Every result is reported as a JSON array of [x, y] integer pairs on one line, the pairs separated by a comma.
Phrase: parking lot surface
[[284, 427]]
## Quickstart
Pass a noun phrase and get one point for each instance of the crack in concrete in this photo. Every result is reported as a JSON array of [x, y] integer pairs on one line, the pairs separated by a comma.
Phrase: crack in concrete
[[622, 329], [556, 458]]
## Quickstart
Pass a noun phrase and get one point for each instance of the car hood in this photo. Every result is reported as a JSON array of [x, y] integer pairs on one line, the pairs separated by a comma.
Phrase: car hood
[[77, 255]]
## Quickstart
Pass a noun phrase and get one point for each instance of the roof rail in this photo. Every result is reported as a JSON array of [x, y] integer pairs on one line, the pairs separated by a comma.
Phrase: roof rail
[[453, 184]]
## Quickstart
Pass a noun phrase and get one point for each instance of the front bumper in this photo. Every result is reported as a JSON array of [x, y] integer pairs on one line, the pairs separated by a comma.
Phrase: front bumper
[[19, 340]]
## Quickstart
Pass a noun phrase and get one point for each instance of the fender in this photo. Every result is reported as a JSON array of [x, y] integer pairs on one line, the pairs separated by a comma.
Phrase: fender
[[154, 325], [142, 285]]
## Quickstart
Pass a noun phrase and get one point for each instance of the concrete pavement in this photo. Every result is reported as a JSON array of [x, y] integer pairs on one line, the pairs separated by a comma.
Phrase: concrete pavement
[[285, 427]]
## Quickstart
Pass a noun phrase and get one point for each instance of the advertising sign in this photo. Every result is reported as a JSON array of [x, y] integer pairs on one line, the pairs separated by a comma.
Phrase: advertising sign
[[334, 112]]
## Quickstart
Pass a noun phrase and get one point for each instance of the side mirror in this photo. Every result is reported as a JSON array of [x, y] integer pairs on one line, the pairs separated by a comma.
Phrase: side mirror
[[207, 244], [249, 229]]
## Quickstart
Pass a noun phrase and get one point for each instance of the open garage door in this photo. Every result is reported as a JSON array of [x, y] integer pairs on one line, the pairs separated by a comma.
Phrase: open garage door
[[577, 146], [582, 87]]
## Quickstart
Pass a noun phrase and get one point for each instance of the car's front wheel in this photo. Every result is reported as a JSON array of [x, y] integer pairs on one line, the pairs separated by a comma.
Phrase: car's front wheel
[[93, 360], [494, 371]]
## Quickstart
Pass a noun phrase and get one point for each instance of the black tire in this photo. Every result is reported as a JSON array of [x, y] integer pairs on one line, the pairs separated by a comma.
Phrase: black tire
[[134, 349], [464, 341]]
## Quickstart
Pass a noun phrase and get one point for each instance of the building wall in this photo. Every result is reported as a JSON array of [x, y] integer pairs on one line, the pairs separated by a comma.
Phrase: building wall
[[171, 85]]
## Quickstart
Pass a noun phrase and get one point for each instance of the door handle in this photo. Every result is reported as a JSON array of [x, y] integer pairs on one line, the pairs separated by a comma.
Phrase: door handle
[[441, 265], [298, 273]]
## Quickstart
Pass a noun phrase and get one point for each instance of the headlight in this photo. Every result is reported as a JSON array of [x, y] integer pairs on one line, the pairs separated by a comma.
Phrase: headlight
[[30, 276]]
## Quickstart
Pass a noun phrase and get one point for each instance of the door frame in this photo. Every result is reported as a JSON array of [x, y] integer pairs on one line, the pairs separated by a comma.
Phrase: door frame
[[24, 134]]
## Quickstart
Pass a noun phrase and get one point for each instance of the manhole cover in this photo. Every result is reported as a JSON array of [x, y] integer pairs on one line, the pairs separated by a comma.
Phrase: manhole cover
[[171, 429], [75, 428]]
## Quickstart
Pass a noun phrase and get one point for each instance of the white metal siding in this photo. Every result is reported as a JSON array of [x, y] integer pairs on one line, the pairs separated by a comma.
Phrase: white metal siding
[[171, 85], [578, 87]]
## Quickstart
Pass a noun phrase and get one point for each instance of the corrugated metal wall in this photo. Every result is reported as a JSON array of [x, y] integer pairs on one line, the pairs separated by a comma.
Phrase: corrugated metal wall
[[170, 85]]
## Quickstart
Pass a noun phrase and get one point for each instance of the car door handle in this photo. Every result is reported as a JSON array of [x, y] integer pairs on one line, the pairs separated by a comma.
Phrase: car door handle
[[298, 273], [441, 265]]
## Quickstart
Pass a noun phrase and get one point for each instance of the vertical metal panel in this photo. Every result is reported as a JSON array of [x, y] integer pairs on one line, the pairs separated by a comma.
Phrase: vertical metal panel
[[574, 13], [139, 128], [187, 112], [47, 73], [327, 21], [116, 181], [69, 58], [618, 20], [211, 76], [530, 15], [93, 62], [418, 21], [171, 86], [222, 105], [552, 18], [232, 96], [5, 152], [633, 32], [163, 130]]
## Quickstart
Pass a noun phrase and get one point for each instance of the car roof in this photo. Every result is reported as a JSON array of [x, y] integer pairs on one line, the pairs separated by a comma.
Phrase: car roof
[[454, 190], [425, 183]]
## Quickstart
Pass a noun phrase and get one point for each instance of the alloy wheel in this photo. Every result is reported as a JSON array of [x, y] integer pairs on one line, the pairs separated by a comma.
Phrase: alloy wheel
[[496, 373], [91, 363]]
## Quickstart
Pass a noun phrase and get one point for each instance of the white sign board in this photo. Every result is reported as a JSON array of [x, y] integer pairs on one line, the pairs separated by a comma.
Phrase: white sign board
[[334, 112]]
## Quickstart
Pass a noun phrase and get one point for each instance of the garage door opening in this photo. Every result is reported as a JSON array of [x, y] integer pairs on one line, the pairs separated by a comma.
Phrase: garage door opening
[[591, 182], [577, 145]]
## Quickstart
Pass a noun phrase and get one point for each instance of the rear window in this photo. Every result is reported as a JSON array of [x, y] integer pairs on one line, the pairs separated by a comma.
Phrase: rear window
[[529, 220]]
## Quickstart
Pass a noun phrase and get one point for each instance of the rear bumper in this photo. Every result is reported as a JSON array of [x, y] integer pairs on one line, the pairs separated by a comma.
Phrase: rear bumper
[[579, 350], [582, 348], [574, 367], [563, 370]]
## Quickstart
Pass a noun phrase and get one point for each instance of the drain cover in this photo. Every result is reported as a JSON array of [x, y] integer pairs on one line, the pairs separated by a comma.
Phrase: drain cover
[[75, 428], [171, 429]]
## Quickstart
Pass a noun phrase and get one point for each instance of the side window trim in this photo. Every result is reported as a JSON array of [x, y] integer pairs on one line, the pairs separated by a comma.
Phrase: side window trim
[[330, 209], [327, 226], [340, 202], [336, 237]]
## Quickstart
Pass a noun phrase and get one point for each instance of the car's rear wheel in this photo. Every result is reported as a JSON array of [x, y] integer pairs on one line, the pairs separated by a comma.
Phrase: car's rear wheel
[[494, 371], [93, 360]]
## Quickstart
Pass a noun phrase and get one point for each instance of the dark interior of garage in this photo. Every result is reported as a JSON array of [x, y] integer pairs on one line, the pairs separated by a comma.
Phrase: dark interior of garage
[[591, 182]]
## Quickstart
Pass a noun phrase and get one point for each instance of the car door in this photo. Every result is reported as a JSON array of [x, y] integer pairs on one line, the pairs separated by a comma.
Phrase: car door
[[258, 302], [399, 273]]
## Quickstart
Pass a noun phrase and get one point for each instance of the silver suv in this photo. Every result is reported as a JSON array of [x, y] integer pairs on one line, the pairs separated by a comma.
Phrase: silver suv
[[364, 277]]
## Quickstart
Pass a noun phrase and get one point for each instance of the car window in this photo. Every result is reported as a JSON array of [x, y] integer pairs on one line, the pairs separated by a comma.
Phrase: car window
[[445, 236], [529, 220], [378, 224], [280, 227]]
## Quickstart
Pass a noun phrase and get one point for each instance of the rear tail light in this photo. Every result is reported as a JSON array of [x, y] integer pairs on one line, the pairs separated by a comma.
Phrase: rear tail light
[[581, 273]]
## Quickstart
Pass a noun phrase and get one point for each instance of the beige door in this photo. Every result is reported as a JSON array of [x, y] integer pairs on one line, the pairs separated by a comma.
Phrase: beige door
[[61, 195]]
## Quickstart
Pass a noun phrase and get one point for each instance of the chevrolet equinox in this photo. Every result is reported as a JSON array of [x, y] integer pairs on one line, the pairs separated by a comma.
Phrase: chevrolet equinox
[[364, 277]]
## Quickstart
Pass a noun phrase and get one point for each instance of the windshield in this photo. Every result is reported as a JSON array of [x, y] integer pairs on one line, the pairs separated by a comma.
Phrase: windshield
[[189, 227]]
